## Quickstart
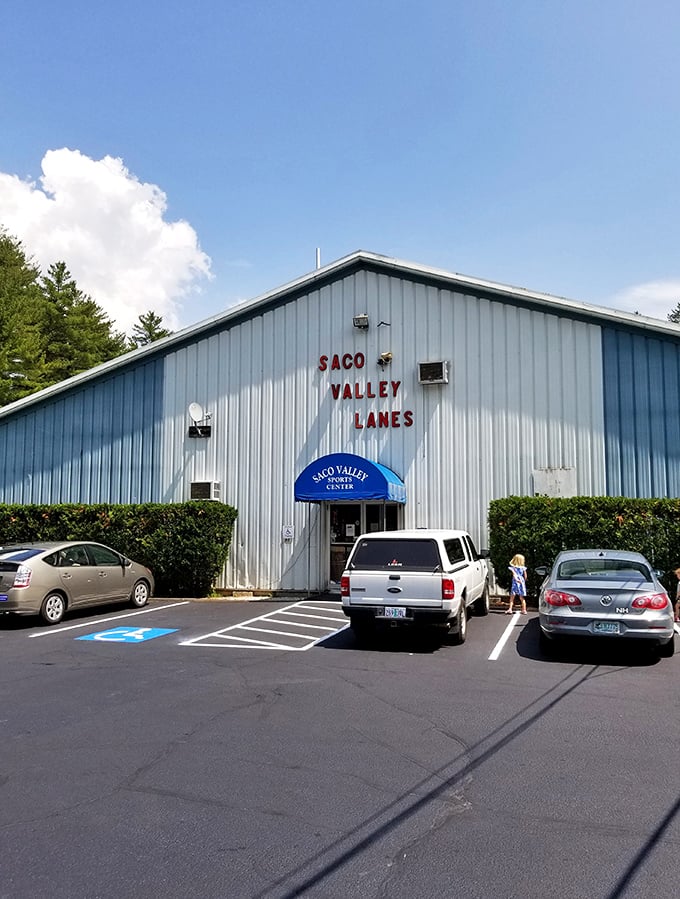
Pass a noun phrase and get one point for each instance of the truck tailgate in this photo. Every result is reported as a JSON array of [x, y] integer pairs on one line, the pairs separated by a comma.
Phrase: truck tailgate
[[404, 589]]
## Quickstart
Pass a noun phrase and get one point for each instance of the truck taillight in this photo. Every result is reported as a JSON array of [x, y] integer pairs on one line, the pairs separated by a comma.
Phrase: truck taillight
[[23, 577], [448, 588], [344, 585]]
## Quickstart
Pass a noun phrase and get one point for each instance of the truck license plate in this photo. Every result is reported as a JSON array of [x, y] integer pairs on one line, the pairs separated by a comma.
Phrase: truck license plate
[[395, 612]]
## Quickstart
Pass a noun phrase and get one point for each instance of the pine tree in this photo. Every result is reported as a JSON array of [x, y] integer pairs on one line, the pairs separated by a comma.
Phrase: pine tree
[[80, 333], [20, 317], [148, 329]]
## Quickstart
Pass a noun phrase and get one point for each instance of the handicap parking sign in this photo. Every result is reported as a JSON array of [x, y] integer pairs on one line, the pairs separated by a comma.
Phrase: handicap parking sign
[[128, 634]]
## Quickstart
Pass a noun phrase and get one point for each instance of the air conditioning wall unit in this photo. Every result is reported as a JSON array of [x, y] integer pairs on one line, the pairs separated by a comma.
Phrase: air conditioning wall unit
[[433, 372], [206, 490]]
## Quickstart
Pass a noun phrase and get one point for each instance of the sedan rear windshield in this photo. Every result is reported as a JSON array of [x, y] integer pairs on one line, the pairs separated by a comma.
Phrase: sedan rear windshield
[[19, 554], [611, 569], [414, 555]]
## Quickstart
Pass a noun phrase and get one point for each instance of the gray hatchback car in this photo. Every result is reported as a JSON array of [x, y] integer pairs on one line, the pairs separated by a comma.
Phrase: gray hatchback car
[[605, 593], [51, 578]]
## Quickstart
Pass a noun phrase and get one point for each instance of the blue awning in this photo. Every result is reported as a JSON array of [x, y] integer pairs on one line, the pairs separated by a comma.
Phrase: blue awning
[[343, 477]]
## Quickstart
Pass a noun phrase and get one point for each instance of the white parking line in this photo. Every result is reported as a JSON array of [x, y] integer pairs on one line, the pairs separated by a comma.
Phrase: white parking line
[[504, 638], [72, 627]]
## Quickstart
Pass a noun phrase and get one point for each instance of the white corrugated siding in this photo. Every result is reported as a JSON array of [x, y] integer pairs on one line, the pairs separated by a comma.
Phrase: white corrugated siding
[[525, 392]]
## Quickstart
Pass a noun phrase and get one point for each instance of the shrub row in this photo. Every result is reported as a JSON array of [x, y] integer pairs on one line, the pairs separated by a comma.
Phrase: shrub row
[[540, 526], [184, 544]]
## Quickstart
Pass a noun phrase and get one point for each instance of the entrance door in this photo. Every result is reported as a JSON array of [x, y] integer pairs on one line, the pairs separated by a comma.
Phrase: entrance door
[[347, 522], [345, 528]]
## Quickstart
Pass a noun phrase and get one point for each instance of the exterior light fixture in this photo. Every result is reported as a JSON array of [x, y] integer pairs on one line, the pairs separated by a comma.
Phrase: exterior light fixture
[[384, 359], [361, 321]]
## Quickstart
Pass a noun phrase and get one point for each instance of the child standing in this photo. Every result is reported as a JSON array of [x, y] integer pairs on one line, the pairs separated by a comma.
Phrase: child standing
[[519, 583], [676, 572]]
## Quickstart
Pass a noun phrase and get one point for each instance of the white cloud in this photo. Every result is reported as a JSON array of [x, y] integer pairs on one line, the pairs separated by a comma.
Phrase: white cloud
[[109, 229], [655, 298]]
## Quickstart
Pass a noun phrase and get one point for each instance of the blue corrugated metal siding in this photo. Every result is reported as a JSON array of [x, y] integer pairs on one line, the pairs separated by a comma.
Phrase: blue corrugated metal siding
[[95, 444], [641, 404]]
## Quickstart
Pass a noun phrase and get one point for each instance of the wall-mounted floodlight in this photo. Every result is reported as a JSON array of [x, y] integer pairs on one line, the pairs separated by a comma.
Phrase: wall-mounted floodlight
[[361, 321], [384, 359]]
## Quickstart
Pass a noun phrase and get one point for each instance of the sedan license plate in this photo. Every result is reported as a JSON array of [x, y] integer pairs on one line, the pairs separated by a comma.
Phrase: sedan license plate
[[395, 612], [606, 627], [3, 597]]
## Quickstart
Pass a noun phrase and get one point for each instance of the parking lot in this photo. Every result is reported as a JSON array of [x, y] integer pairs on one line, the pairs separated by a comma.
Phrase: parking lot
[[252, 750]]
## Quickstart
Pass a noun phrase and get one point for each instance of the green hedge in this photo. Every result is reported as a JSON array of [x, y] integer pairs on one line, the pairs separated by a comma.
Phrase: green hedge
[[184, 544], [540, 526]]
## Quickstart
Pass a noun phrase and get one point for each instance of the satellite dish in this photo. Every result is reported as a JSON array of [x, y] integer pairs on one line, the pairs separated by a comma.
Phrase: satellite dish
[[196, 412]]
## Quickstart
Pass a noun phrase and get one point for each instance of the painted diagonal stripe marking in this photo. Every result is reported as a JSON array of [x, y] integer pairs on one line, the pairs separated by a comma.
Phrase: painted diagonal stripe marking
[[298, 609], [316, 627], [263, 630]]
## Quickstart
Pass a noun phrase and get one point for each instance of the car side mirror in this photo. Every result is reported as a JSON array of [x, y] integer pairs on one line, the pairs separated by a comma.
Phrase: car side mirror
[[485, 554], [126, 562], [542, 570]]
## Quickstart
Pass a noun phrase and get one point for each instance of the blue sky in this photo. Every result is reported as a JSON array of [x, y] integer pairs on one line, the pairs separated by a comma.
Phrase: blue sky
[[534, 143]]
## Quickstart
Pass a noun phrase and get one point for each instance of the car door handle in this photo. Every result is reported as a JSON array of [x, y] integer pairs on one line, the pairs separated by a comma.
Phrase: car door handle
[[67, 577], [102, 574]]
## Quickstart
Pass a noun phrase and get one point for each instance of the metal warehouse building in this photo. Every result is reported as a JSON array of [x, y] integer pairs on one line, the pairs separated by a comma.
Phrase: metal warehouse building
[[369, 394]]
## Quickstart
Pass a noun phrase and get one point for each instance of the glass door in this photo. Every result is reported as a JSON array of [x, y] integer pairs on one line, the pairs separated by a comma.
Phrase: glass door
[[347, 522], [345, 528]]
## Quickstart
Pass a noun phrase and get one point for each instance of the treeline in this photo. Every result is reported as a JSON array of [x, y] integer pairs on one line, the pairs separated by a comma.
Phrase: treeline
[[49, 329]]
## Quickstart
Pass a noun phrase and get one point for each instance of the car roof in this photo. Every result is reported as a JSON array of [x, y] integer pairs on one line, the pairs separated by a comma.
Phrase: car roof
[[43, 545], [416, 533]]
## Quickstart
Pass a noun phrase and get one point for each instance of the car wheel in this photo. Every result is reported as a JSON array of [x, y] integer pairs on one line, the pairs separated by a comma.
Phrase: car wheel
[[53, 608], [481, 605], [459, 632], [667, 650], [140, 594]]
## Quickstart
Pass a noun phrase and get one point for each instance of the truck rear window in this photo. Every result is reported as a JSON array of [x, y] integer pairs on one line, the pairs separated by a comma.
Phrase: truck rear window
[[394, 555]]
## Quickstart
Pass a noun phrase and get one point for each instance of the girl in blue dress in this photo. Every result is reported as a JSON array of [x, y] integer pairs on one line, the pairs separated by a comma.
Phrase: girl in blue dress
[[519, 583]]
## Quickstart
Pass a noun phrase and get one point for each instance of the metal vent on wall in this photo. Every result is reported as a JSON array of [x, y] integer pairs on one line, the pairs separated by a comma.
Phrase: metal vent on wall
[[205, 490], [433, 372]]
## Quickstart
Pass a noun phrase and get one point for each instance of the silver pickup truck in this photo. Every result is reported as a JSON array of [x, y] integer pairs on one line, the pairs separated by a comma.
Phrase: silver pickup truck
[[414, 578]]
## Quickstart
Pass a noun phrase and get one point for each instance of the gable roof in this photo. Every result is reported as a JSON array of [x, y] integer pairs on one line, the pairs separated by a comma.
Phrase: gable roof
[[341, 268]]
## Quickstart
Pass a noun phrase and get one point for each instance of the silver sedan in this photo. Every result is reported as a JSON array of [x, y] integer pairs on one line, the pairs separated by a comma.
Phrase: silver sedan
[[51, 578], [605, 593]]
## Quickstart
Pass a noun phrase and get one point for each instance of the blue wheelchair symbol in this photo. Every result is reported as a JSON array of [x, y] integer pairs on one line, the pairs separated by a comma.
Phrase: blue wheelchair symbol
[[128, 634]]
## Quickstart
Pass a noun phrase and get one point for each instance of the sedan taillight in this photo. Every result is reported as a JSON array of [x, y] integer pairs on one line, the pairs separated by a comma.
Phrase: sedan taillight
[[23, 577], [655, 601], [448, 588], [557, 598], [344, 585]]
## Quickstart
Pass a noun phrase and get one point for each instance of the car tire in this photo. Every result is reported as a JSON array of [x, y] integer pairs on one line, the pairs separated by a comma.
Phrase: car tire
[[481, 605], [459, 632], [53, 608], [667, 650], [140, 594]]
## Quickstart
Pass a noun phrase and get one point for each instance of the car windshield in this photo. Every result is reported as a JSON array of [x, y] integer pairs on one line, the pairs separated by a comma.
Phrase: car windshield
[[606, 569], [19, 553], [419, 555]]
